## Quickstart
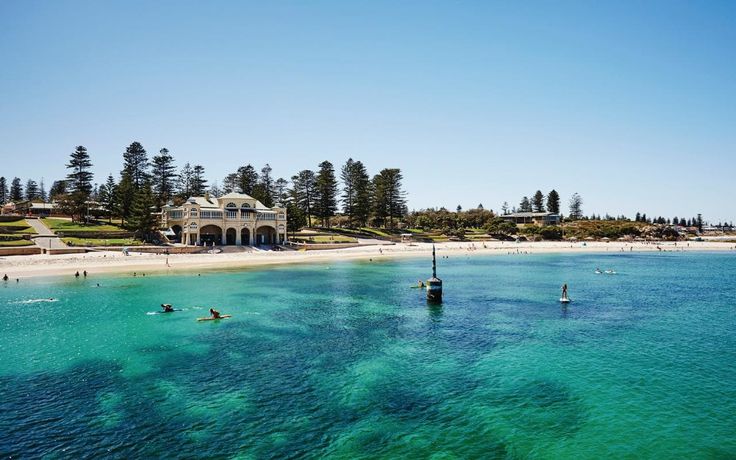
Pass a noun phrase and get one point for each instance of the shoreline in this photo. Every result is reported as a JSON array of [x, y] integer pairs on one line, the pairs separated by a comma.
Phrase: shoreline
[[109, 262]]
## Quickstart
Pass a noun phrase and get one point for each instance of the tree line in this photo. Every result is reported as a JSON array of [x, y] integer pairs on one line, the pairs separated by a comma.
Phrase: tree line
[[377, 201], [145, 185]]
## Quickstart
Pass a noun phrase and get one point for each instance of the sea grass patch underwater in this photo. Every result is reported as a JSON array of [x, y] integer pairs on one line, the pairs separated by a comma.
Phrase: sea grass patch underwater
[[346, 360]]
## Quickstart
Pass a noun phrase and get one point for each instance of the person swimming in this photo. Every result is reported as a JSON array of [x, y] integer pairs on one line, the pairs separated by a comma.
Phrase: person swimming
[[167, 307], [214, 313], [598, 270]]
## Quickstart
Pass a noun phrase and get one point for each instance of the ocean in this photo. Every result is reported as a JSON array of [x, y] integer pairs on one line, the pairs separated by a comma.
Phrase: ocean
[[347, 360]]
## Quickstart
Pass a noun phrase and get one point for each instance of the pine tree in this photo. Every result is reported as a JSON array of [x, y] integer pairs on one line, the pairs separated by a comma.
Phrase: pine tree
[[281, 190], [538, 201], [266, 187], [525, 205], [16, 190], [31, 190], [553, 202], [108, 197], [4, 192], [576, 206], [199, 183], [58, 188], [230, 183], [184, 181], [247, 179], [505, 208], [142, 221], [389, 197], [362, 194], [325, 203], [699, 222], [79, 181], [295, 219], [135, 163], [42, 195], [124, 195], [348, 189], [164, 177], [303, 193], [215, 190]]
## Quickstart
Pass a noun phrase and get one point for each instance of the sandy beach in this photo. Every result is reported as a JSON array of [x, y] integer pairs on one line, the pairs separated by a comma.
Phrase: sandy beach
[[110, 262]]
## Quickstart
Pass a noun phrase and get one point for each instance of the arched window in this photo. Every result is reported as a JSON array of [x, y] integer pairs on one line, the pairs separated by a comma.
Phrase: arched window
[[245, 205], [231, 205]]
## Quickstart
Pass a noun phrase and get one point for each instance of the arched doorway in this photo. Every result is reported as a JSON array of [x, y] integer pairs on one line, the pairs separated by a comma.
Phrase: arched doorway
[[177, 233], [245, 237], [265, 235], [210, 234], [230, 236]]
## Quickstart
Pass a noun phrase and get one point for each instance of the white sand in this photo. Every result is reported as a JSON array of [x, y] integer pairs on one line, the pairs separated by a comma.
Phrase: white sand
[[115, 262]]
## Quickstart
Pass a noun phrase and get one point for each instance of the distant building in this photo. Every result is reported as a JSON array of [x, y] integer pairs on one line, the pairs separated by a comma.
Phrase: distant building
[[233, 219], [537, 218], [28, 208]]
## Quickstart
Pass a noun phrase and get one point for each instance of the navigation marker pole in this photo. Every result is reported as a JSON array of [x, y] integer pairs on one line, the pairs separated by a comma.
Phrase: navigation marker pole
[[434, 284]]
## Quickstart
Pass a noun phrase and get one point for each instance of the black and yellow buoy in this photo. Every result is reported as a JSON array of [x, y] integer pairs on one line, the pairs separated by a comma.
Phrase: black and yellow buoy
[[434, 284]]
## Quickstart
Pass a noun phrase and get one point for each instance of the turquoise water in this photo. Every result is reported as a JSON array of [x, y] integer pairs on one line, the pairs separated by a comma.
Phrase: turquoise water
[[346, 361]]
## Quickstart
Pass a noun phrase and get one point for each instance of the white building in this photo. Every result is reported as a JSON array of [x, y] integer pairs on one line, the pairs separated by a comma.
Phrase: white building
[[232, 219]]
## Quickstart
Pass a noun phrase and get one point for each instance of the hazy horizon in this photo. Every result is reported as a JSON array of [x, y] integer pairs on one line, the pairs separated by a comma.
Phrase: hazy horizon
[[632, 106]]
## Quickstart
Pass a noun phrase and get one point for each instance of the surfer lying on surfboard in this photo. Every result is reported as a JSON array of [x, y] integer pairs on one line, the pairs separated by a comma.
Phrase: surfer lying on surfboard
[[167, 307]]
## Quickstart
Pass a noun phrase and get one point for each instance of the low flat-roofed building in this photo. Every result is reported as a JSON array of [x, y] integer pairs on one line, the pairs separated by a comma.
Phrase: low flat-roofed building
[[536, 218], [232, 219]]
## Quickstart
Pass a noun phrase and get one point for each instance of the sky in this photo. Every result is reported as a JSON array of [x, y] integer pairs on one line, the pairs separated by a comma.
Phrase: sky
[[630, 104]]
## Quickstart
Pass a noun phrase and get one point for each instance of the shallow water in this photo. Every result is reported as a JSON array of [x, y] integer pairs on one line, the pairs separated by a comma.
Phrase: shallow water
[[345, 360]]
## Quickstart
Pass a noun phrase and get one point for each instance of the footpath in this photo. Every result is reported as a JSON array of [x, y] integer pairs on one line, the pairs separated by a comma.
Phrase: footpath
[[45, 239]]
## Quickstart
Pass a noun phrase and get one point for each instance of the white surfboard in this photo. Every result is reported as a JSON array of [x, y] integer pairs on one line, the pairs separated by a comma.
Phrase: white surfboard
[[564, 300]]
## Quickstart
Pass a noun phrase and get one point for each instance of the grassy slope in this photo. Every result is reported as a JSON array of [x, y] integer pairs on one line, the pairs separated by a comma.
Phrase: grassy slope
[[57, 224], [101, 242], [15, 243], [28, 230]]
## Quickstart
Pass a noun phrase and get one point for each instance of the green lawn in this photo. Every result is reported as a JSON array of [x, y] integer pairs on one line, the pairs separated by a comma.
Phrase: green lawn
[[101, 242], [19, 223], [325, 239], [15, 243], [57, 224]]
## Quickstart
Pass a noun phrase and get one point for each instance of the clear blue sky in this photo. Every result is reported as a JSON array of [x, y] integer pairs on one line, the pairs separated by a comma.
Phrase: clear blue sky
[[630, 104]]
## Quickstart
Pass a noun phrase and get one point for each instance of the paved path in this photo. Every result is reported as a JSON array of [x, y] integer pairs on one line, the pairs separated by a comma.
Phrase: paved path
[[46, 239]]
